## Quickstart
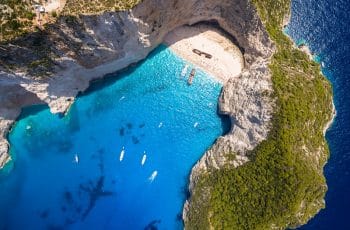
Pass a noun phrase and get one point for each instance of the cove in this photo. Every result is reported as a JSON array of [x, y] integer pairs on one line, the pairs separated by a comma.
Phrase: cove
[[68, 171]]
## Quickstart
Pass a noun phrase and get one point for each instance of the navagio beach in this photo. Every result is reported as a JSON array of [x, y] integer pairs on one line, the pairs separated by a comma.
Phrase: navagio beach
[[216, 129], [67, 148]]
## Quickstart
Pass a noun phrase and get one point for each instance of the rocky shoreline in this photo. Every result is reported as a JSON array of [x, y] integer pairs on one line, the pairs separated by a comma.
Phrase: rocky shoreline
[[304, 48], [120, 39], [112, 41], [89, 47]]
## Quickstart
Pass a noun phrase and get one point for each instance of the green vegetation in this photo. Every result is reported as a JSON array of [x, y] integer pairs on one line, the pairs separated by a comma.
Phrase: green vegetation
[[37, 39], [16, 18], [54, 14], [283, 184], [75, 7]]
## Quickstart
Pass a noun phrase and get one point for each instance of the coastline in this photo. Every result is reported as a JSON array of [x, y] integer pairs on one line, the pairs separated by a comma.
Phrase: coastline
[[282, 67], [244, 98], [305, 48], [330, 122], [226, 61], [110, 40], [247, 98], [196, 37]]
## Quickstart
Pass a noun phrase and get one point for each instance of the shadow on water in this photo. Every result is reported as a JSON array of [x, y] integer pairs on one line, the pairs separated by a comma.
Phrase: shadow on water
[[225, 124], [95, 193], [32, 110], [111, 78], [72, 119], [152, 225]]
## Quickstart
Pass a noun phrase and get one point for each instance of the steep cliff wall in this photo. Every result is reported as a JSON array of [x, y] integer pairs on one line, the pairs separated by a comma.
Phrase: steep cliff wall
[[280, 182], [282, 185], [78, 50]]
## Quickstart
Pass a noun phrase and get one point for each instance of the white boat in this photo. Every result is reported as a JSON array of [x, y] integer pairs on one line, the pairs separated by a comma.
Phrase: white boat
[[122, 154], [196, 124], [153, 176], [76, 158], [144, 158], [184, 71], [160, 125]]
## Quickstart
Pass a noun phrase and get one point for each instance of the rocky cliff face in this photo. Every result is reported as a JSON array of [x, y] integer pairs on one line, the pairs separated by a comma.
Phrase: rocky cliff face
[[87, 48], [80, 50]]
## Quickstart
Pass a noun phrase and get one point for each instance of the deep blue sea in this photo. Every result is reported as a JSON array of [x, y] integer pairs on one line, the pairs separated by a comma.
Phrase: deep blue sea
[[324, 25], [120, 158]]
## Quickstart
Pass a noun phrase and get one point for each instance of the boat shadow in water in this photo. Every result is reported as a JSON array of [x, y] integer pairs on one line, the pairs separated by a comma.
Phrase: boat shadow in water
[[152, 225]]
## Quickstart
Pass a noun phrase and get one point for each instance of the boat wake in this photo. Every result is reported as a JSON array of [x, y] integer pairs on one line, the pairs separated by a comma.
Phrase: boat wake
[[121, 157], [153, 176], [184, 70], [76, 158], [144, 158]]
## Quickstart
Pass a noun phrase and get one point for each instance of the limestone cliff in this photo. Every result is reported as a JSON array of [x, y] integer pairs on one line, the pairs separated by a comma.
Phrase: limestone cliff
[[52, 66], [82, 49], [89, 47]]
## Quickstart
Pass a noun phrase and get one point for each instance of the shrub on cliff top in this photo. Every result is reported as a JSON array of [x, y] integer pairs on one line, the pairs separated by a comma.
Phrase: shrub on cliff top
[[281, 186]]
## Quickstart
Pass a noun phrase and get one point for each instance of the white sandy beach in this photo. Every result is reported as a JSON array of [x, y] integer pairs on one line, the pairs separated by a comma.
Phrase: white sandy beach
[[227, 60]]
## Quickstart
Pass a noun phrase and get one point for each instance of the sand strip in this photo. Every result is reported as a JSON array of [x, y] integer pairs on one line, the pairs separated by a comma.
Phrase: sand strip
[[226, 61]]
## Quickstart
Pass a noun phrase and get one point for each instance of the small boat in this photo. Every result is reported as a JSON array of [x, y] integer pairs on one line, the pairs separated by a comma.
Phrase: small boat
[[160, 125], [196, 124], [143, 158], [122, 154], [190, 79], [76, 158], [184, 70], [153, 176], [122, 98]]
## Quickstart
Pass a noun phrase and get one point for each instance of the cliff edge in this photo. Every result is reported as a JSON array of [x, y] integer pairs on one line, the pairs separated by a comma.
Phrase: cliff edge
[[267, 172], [57, 63]]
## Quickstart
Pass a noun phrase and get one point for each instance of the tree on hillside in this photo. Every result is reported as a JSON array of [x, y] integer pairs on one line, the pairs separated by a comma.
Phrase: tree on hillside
[[5, 16]]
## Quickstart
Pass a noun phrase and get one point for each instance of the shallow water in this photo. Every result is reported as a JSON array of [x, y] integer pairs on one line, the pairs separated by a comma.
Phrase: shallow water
[[68, 172], [324, 26]]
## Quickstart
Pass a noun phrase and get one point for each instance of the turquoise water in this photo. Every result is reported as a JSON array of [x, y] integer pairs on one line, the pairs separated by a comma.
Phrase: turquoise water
[[68, 172]]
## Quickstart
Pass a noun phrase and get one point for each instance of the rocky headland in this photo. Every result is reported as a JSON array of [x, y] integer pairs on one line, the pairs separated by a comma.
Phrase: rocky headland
[[53, 65]]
